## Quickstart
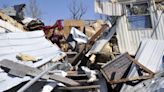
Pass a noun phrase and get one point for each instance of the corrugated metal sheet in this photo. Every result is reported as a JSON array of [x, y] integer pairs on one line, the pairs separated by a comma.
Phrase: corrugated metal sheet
[[31, 43], [108, 8], [128, 40], [150, 55], [7, 82]]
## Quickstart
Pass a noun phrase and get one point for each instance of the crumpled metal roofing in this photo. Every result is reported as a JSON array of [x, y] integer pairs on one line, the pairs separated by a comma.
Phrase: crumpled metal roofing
[[32, 43], [7, 82], [150, 55]]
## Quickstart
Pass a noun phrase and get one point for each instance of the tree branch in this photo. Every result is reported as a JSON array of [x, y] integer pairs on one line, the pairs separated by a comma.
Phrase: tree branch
[[77, 10]]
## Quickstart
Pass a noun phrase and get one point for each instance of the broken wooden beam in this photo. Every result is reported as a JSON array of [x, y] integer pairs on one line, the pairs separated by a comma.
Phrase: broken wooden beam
[[11, 21], [79, 87], [117, 70], [131, 79], [97, 34]]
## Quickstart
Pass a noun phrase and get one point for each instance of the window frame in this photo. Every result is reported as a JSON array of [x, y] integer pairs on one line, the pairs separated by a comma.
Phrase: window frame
[[146, 14]]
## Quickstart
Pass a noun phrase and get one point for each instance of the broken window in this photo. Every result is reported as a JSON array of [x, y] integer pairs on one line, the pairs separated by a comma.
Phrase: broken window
[[138, 16]]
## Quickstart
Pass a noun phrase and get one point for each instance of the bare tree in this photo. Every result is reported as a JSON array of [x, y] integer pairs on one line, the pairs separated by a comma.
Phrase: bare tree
[[77, 9], [32, 9]]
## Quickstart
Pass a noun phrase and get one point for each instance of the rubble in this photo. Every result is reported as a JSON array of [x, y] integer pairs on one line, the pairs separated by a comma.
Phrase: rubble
[[151, 85], [83, 55], [34, 24]]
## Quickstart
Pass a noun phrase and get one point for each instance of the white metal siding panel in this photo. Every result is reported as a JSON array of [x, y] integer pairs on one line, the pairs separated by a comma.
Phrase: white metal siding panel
[[108, 8], [128, 40], [160, 28], [151, 55]]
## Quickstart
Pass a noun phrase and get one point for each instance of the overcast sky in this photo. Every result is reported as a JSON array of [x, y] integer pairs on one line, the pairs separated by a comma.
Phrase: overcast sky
[[54, 9]]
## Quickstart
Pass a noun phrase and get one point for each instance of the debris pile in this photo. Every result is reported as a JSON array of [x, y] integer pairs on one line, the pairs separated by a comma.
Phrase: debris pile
[[117, 55]]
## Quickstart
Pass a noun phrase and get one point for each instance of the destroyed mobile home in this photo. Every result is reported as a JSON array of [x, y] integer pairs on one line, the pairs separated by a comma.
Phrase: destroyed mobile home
[[123, 55]]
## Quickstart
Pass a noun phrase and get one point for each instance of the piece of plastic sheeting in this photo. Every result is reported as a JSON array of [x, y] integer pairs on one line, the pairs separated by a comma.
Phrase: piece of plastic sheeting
[[78, 36]]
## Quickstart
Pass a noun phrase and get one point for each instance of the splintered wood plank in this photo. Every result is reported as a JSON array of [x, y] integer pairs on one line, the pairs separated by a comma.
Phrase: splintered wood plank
[[64, 80], [20, 69], [79, 87], [11, 21]]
